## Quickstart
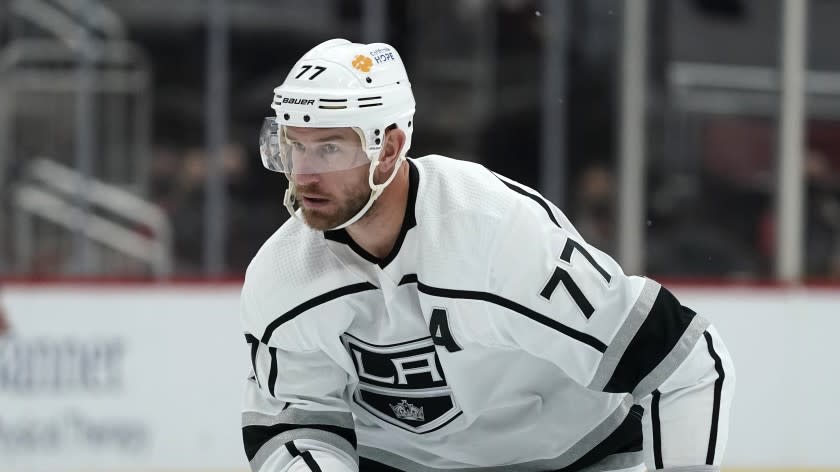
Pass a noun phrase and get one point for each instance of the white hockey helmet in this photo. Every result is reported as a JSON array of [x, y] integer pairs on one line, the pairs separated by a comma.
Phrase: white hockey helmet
[[340, 84]]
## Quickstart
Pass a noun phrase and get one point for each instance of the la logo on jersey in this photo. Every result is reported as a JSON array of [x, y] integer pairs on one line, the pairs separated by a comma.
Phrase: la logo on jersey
[[402, 384]]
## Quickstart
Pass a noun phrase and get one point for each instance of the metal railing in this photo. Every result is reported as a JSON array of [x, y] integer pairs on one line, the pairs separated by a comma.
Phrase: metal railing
[[40, 91], [699, 89], [54, 192]]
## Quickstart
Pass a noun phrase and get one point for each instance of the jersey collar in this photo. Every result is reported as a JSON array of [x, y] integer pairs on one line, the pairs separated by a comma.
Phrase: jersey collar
[[409, 221]]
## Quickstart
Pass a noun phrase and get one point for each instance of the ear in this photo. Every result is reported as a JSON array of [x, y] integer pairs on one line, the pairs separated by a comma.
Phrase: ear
[[391, 150]]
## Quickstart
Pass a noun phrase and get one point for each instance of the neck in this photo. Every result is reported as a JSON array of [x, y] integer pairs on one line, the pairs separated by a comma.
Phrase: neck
[[377, 232]]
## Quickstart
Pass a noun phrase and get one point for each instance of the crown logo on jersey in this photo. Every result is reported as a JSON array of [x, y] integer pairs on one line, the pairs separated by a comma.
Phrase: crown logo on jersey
[[407, 411]]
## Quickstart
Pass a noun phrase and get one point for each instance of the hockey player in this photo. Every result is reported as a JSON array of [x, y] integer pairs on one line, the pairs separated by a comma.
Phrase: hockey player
[[429, 315]]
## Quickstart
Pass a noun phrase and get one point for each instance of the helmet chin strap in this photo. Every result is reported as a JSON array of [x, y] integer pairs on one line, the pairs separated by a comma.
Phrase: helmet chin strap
[[375, 192]]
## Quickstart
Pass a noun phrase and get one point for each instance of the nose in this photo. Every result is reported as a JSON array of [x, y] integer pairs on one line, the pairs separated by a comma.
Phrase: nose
[[306, 179]]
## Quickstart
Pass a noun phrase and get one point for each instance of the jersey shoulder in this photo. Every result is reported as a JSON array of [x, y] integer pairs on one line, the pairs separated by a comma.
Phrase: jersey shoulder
[[463, 210], [291, 268], [455, 188]]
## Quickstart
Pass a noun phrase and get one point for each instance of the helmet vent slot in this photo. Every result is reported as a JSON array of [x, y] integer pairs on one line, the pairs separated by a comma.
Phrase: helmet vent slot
[[364, 101], [332, 103]]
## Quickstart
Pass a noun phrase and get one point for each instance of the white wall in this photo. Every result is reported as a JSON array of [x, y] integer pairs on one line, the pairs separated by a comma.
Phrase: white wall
[[787, 353], [134, 377]]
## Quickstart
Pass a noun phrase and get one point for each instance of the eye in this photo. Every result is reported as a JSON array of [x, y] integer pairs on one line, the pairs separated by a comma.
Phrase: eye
[[330, 148], [298, 146]]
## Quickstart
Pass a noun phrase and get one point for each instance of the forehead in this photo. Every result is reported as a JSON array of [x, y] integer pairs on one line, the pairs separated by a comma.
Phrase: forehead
[[321, 134]]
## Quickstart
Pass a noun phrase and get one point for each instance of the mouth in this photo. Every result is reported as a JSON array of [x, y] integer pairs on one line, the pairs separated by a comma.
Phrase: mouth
[[314, 202]]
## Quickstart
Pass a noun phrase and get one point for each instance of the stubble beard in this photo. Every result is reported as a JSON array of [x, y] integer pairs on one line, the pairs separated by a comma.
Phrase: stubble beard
[[323, 220]]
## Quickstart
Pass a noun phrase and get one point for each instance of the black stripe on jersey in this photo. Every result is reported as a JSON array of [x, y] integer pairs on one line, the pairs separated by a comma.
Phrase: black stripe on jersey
[[587, 339], [540, 201], [272, 374], [255, 436], [343, 237], [254, 342], [373, 466], [410, 219], [310, 461], [389, 345], [657, 433], [309, 304], [408, 279], [306, 455], [293, 450], [710, 455], [660, 332], [627, 437]]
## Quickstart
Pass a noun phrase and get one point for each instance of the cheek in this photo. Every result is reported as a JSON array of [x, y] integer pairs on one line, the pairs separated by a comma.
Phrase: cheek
[[356, 180], [346, 184], [362, 176]]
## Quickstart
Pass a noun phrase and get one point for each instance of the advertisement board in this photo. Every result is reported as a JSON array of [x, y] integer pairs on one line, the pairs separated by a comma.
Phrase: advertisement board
[[149, 378], [121, 378]]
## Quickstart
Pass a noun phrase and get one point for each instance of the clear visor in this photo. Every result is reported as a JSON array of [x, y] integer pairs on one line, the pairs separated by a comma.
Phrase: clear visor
[[294, 150]]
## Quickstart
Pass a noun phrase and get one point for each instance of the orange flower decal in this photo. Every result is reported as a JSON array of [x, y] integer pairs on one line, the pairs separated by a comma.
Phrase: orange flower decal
[[363, 63]]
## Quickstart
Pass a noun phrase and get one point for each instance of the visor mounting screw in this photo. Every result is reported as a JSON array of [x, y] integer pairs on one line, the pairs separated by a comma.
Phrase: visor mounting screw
[[376, 132], [368, 80], [409, 123], [286, 116], [378, 141], [306, 118]]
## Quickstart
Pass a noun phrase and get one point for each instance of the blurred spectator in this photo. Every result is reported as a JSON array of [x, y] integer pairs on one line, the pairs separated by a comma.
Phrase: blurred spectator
[[822, 219], [594, 206], [510, 139], [686, 237], [822, 216], [178, 186]]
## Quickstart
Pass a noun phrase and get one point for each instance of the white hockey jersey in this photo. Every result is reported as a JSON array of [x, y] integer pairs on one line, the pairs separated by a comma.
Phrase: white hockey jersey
[[492, 337]]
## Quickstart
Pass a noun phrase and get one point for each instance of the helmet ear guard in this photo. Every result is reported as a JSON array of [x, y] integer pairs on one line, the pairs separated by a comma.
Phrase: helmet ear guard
[[339, 84]]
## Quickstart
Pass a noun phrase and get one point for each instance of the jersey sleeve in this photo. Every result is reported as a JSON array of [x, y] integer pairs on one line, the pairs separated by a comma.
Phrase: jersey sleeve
[[294, 415], [572, 305]]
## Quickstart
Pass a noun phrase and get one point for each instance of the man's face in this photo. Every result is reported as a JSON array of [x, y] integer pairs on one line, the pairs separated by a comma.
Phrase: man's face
[[328, 194]]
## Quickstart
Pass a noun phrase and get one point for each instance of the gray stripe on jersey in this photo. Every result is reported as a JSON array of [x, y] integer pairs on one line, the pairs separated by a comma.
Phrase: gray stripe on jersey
[[624, 460], [272, 445], [674, 358], [298, 416], [578, 450], [693, 468], [638, 314]]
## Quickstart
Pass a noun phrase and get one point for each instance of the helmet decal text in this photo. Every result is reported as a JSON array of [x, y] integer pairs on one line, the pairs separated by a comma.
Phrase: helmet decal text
[[316, 71], [382, 55], [298, 101]]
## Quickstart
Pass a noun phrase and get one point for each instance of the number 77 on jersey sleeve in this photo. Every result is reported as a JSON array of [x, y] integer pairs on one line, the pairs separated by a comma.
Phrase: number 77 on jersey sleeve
[[562, 275]]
